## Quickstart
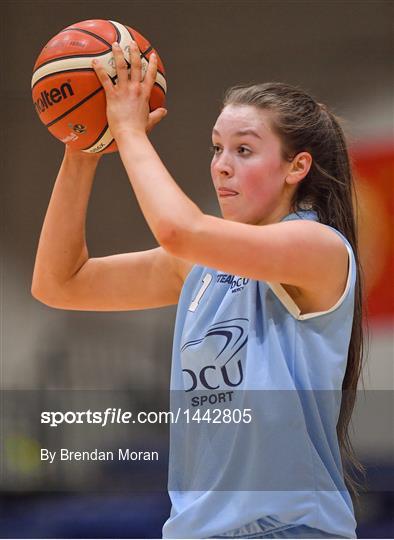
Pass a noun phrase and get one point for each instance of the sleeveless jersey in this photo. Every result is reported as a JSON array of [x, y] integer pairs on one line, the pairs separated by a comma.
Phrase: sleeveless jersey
[[270, 379]]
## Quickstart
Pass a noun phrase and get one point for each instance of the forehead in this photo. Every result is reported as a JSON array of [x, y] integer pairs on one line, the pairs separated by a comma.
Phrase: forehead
[[234, 118]]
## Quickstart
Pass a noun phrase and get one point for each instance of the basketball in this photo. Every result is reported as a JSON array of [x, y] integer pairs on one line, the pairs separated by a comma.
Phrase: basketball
[[68, 97]]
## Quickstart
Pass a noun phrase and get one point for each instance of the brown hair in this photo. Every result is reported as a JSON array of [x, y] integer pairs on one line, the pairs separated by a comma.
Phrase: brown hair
[[302, 124]]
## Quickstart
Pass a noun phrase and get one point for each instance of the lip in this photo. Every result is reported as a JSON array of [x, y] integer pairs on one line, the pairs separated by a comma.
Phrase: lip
[[225, 192]]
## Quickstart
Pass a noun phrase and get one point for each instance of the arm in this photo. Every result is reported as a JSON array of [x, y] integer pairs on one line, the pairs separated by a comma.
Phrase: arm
[[302, 254], [299, 253], [64, 275]]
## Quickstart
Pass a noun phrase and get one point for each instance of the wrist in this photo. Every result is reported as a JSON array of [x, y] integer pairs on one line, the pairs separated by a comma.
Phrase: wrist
[[128, 134], [79, 157]]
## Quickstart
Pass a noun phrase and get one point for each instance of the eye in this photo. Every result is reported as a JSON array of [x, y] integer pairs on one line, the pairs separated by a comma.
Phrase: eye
[[215, 149], [243, 151]]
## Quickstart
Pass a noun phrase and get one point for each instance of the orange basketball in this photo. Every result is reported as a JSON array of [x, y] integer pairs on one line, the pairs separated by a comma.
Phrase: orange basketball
[[67, 94]]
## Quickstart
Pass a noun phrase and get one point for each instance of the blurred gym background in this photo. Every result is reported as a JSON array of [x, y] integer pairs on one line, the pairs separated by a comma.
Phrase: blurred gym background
[[341, 52]]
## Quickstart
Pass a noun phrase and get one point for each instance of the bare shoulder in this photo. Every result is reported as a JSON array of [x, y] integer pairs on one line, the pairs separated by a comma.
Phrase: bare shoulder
[[300, 253], [313, 236], [331, 267], [328, 243]]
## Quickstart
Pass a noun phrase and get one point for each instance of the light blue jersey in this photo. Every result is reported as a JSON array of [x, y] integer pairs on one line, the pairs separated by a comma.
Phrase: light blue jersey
[[270, 379]]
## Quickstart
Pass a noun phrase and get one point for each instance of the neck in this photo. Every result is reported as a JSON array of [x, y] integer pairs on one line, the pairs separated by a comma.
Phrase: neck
[[277, 214]]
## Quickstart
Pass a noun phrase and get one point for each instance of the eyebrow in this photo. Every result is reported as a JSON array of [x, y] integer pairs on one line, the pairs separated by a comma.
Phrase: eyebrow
[[240, 132]]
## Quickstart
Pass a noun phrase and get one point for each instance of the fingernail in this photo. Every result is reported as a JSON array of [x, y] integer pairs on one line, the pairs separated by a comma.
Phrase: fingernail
[[115, 44]]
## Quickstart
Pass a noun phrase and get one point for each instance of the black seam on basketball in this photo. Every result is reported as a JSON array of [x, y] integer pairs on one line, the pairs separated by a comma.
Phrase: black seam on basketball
[[74, 107], [98, 138], [143, 53], [71, 56], [131, 34], [147, 50], [158, 70], [118, 36], [147, 59], [59, 73], [96, 36], [159, 86]]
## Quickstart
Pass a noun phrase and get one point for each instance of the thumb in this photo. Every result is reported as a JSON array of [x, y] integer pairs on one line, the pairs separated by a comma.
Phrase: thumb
[[156, 116]]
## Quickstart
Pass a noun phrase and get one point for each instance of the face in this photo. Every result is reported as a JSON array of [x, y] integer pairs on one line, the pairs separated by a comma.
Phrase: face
[[248, 171]]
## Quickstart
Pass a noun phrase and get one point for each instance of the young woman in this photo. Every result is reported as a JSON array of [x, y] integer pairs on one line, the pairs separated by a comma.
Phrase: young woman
[[269, 299]]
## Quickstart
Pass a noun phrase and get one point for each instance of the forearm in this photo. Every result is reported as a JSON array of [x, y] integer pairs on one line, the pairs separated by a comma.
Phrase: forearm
[[166, 208], [62, 247]]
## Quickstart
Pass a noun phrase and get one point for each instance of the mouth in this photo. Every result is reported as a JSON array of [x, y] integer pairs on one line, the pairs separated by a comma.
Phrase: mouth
[[224, 192]]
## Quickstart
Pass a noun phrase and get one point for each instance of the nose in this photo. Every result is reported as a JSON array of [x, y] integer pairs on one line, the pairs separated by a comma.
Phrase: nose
[[223, 166]]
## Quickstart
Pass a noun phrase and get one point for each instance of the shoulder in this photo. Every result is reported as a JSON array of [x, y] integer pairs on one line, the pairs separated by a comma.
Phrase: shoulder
[[330, 268], [298, 252], [314, 234]]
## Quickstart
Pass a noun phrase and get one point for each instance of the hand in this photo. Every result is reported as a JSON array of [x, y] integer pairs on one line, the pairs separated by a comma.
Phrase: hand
[[128, 99]]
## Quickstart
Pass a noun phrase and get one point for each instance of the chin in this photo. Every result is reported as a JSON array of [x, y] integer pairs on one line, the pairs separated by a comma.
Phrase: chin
[[237, 219], [228, 215]]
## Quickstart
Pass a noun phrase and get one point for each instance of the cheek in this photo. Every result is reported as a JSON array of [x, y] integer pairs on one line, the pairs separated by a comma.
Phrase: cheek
[[261, 180], [212, 168]]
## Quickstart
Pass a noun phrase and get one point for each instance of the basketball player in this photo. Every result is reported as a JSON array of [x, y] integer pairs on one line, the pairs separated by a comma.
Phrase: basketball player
[[268, 296]]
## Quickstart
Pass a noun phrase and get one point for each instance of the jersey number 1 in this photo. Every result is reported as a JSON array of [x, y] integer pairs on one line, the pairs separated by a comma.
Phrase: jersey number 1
[[205, 282]]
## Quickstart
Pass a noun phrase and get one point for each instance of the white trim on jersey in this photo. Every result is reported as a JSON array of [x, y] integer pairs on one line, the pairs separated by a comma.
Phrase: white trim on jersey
[[284, 297]]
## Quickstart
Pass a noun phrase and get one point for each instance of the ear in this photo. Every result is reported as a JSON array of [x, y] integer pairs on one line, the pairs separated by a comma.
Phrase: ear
[[299, 168]]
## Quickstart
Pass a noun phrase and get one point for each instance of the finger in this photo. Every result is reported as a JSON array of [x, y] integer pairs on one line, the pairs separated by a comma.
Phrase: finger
[[120, 63], [102, 76], [150, 76], [135, 61], [155, 117]]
